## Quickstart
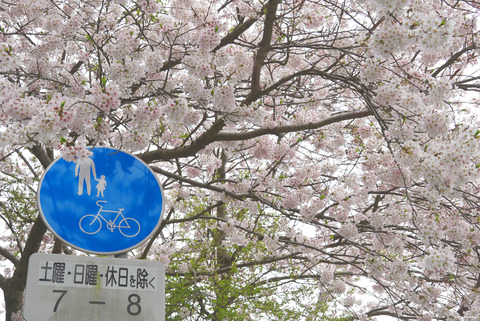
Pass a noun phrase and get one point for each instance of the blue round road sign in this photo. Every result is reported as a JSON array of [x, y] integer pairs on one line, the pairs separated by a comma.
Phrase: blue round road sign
[[108, 203]]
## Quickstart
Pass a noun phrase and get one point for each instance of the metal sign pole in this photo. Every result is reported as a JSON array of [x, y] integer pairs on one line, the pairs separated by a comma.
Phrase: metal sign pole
[[123, 255]]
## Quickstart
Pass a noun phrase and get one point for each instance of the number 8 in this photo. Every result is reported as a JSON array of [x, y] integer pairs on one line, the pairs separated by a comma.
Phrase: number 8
[[134, 303]]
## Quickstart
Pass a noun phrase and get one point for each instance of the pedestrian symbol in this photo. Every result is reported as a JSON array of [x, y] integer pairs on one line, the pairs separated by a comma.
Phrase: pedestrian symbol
[[82, 170], [102, 184], [107, 203]]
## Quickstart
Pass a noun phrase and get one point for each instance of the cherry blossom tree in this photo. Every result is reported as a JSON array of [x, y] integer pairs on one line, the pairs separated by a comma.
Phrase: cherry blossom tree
[[318, 156]]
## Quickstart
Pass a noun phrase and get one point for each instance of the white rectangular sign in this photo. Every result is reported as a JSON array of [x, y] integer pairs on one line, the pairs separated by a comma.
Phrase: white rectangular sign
[[66, 287]]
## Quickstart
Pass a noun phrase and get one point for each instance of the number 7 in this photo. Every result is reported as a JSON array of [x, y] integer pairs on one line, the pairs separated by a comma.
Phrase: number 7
[[63, 292]]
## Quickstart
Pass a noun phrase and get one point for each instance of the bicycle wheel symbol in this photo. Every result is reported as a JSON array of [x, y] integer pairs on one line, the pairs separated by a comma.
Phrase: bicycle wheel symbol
[[129, 227], [90, 224]]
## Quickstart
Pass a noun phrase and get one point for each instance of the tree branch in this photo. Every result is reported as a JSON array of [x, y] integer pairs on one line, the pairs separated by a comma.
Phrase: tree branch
[[229, 136], [268, 260], [42, 156], [214, 135], [263, 48], [8, 255], [235, 33], [3, 282], [201, 142], [76, 67], [452, 59], [198, 184]]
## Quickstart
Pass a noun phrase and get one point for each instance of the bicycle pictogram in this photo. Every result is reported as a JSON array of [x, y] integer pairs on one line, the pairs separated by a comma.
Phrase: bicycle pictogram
[[91, 224]]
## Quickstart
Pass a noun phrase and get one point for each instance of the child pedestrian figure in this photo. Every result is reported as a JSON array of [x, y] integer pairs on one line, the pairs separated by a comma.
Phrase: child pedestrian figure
[[102, 184]]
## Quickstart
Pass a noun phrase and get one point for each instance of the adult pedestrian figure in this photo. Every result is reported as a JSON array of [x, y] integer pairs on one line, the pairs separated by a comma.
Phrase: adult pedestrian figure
[[84, 167]]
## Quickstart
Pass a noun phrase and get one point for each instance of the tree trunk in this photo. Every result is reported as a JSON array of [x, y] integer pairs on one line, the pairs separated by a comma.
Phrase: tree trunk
[[14, 287]]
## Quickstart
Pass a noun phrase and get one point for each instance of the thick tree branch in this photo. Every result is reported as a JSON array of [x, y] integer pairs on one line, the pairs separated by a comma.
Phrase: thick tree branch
[[201, 142], [214, 135], [3, 282], [76, 67], [170, 64], [235, 33], [8, 255], [229, 136], [263, 49], [41, 155]]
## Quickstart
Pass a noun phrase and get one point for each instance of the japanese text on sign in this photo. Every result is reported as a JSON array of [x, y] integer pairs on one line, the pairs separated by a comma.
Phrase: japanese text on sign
[[75, 288], [92, 275]]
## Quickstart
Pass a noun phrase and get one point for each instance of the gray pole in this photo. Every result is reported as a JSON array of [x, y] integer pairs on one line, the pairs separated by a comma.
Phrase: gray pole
[[123, 255]]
